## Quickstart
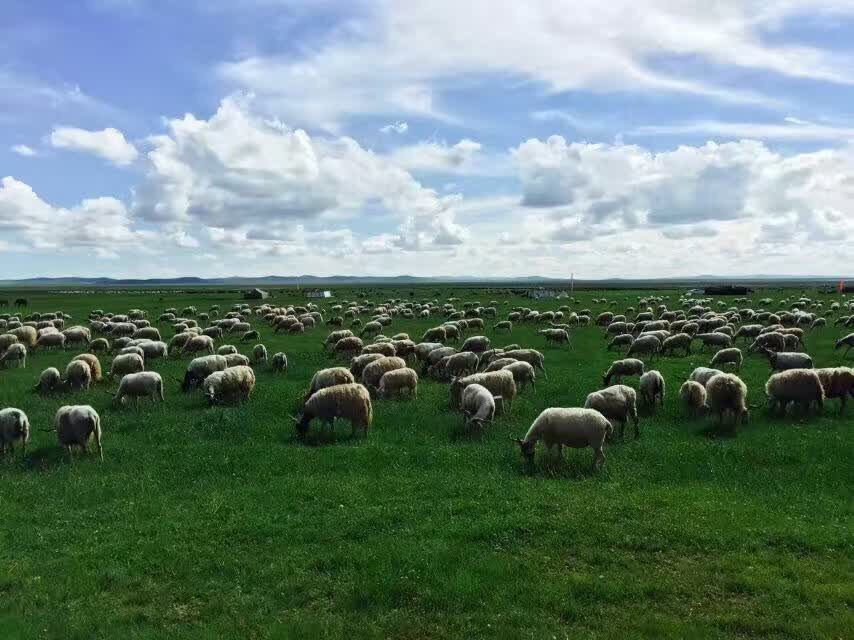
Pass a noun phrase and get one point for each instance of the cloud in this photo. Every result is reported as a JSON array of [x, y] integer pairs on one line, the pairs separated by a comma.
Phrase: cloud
[[391, 57], [109, 143], [793, 130], [258, 182], [24, 150], [395, 127], [438, 156], [100, 225]]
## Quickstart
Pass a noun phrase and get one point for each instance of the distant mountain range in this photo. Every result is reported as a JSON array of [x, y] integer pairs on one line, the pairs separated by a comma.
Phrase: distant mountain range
[[320, 281]]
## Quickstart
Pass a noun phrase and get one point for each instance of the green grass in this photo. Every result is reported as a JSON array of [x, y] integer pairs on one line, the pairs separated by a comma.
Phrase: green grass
[[217, 523]]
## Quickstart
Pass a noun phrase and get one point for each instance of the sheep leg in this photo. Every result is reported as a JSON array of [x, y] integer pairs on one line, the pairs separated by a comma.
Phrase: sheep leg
[[598, 458]]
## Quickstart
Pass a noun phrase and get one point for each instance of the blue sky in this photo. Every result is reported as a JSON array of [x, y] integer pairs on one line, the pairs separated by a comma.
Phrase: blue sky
[[150, 138]]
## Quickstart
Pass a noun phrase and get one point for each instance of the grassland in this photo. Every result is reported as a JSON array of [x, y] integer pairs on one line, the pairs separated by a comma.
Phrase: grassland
[[216, 523]]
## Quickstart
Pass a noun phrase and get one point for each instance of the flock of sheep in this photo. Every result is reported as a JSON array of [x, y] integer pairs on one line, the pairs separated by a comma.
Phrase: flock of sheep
[[483, 379]]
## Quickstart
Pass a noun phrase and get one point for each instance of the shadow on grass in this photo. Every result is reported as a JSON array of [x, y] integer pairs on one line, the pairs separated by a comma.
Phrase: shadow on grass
[[714, 431], [45, 458]]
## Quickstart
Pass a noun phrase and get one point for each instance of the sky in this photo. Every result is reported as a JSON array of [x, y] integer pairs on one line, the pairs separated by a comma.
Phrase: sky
[[149, 138]]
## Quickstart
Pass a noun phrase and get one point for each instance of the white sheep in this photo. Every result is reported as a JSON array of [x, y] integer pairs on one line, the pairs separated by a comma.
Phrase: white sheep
[[78, 375], [618, 403], [200, 368], [76, 425], [16, 353], [145, 384], [571, 427], [226, 349], [677, 341], [847, 342], [350, 401], [236, 360], [703, 375], [478, 406], [651, 388], [49, 381], [50, 341], [523, 374], [259, 354], [647, 344], [279, 362], [837, 382], [199, 344], [499, 383], [476, 344], [620, 368], [397, 381], [731, 355], [693, 397], [800, 386], [152, 349], [232, 384], [727, 392], [328, 378], [559, 336], [14, 427], [372, 373], [94, 364], [531, 356], [125, 364]]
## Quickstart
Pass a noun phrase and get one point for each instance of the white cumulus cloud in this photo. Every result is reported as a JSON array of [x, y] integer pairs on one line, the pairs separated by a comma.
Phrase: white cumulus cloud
[[109, 143]]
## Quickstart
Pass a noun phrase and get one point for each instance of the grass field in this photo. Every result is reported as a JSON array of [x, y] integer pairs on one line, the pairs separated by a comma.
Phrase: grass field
[[216, 523]]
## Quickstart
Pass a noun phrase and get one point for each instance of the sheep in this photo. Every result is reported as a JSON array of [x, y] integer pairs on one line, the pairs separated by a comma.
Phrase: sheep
[[774, 341], [504, 325], [177, 342], [328, 378], [249, 335], [152, 350], [133, 349], [476, 344], [236, 360], [226, 349], [571, 427], [76, 425], [358, 364], [398, 380], [384, 348], [703, 374], [499, 364], [645, 345], [14, 427], [456, 365], [49, 341], [531, 356], [94, 365], [620, 368], [727, 392], [147, 333], [403, 348], [28, 336], [423, 349], [145, 384], [125, 364], [782, 360], [837, 382], [78, 376], [677, 341], [617, 403], [279, 362], [693, 397], [348, 347], [372, 373], [478, 406], [17, 353], [732, 355], [499, 383], [651, 387], [49, 381], [349, 401], [232, 384], [801, 386], [335, 336], [259, 354], [373, 328], [847, 342], [6, 340], [720, 340], [621, 340], [199, 344], [78, 335], [200, 368], [559, 336], [523, 374]]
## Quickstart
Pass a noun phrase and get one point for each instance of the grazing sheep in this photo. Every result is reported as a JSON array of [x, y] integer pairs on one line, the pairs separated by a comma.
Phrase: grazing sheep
[[358, 364], [350, 401], [499, 383], [801, 386], [50, 341], [132, 349], [6, 340], [226, 349], [620, 368], [153, 350], [559, 336], [478, 406], [621, 340], [397, 381], [774, 341], [14, 427], [200, 368], [499, 364], [837, 382], [719, 340], [692, 395], [234, 384], [259, 354], [373, 328], [145, 384], [727, 392], [847, 342], [77, 335], [125, 364], [147, 333], [677, 341], [703, 375], [329, 378], [531, 356], [455, 365], [279, 362], [782, 361], [476, 344], [651, 387], [249, 335], [649, 345], [99, 345], [523, 374], [384, 348], [617, 403], [348, 347], [16, 353], [504, 325], [27, 335], [76, 425], [94, 365], [78, 376], [573, 427], [372, 373], [199, 344], [49, 381], [214, 333], [732, 355], [236, 360]]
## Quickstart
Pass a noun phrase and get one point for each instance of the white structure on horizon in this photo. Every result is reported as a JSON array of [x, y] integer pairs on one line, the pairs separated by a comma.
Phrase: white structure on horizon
[[318, 293]]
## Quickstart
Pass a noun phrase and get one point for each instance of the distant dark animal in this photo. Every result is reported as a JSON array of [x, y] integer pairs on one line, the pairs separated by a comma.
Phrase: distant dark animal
[[21, 302], [4, 303]]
